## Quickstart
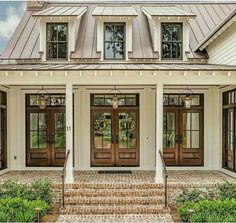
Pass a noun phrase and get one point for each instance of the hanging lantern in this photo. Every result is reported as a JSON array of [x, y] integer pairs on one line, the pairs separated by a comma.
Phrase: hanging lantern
[[115, 102], [115, 99], [188, 98], [42, 100]]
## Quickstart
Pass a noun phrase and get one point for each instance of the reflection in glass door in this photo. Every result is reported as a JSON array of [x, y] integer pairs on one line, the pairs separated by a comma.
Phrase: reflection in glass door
[[114, 137]]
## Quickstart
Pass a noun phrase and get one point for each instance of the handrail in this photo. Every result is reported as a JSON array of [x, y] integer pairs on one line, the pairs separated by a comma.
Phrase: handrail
[[165, 178], [63, 178]]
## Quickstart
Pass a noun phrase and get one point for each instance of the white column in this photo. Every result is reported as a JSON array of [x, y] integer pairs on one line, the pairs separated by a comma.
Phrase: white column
[[159, 132], [69, 132]]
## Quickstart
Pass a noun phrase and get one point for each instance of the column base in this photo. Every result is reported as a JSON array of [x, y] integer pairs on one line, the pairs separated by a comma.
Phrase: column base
[[69, 180], [159, 180]]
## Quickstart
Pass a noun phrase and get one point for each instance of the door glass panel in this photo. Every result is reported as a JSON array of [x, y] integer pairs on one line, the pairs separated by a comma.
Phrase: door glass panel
[[169, 130], [195, 139], [102, 130], [186, 121], [127, 130], [38, 130], [195, 121], [60, 130], [186, 139], [230, 134]]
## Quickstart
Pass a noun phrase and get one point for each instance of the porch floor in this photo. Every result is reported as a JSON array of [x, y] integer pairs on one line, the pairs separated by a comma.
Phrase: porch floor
[[176, 177]]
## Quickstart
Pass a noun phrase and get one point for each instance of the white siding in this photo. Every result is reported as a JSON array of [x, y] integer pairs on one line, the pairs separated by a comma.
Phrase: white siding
[[223, 49]]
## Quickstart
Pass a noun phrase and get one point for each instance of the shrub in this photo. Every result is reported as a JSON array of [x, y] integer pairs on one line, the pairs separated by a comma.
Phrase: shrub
[[37, 190], [209, 211], [222, 191], [193, 195], [21, 210], [4, 217], [226, 190]]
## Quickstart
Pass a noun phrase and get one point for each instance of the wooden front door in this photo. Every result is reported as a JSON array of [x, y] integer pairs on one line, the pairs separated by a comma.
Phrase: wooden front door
[[45, 137], [114, 137], [183, 136]]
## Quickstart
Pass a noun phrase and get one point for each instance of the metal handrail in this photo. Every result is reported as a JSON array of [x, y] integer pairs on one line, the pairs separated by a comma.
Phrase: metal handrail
[[165, 177], [63, 178]]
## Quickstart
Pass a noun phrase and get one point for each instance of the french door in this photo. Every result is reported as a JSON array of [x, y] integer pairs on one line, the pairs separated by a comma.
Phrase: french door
[[114, 137], [183, 136], [46, 136], [229, 139]]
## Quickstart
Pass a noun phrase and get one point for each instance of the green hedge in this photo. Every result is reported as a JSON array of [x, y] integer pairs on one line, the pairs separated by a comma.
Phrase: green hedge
[[209, 211], [21, 210], [37, 190]]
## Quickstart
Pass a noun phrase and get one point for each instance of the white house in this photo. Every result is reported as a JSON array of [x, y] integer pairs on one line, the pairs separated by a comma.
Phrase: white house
[[115, 82]]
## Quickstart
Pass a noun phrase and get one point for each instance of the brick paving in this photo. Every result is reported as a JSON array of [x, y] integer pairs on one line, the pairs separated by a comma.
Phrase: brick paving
[[164, 218], [176, 177]]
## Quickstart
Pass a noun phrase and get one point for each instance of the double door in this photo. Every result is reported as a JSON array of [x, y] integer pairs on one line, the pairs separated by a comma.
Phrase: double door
[[114, 137], [183, 136], [46, 137]]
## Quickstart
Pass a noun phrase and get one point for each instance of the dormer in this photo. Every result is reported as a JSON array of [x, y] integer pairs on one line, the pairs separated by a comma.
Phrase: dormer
[[169, 27], [59, 27], [114, 31]]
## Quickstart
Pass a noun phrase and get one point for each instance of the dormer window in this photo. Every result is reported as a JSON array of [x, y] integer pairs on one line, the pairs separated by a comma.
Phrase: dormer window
[[114, 41], [172, 40], [57, 40]]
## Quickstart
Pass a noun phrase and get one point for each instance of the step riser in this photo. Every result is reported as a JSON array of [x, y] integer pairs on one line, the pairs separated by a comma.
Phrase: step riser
[[106, 211], [114, 193], [113, 202]]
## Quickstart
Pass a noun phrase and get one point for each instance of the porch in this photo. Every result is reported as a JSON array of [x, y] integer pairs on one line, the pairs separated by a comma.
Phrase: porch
[[176, 178]]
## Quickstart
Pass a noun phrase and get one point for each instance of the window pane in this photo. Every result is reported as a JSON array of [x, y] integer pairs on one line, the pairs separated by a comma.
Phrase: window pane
[[60, 139], [186, 139], [33, 121], [166, 32], [62, 50], [195, 121], [52, 50], [98, 100], [62, 32], [119, 50], [195, 139], [109, 50], [173, 99], [170, 121], [42, 139], [34, 139], [51, 32], [127, 130], [42, 121], [109, 32], [166, 50], [176, 50], [119, 33], [186, 121], [170, 139]]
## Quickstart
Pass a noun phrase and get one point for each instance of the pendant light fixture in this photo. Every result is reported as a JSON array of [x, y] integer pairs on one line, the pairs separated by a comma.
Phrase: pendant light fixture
[[42, 99], [188, 98], [115, 99]]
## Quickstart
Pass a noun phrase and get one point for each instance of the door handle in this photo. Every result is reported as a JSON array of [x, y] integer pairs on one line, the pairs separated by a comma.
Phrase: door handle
[[113, 139], [180, 139]]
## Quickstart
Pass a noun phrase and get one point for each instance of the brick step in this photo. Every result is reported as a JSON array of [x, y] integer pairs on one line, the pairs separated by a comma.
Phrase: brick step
[[112, 186], [114, 201], [109, 209], [112, 193]]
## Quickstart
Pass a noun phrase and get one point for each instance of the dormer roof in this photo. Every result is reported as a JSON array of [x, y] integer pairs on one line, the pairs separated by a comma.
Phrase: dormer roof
[[61, 11], [162, 11], [115, 11]]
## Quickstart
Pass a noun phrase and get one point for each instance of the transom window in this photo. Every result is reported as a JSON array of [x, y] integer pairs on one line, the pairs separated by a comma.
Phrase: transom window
[[178, 99], [57, 40], [114, 41], [172, 40], [106, 100]]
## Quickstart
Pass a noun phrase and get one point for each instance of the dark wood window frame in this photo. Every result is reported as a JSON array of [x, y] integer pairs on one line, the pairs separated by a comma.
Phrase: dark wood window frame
[[171, 42], [3, 130], [56, 42], [106, 41], [229, 107]]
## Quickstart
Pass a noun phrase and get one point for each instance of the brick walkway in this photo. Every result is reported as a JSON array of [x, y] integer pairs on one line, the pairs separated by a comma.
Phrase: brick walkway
[[176, 177]]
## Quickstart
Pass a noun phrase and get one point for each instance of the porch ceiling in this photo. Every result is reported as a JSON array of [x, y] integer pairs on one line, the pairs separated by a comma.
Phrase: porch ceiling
[[118, 66]]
